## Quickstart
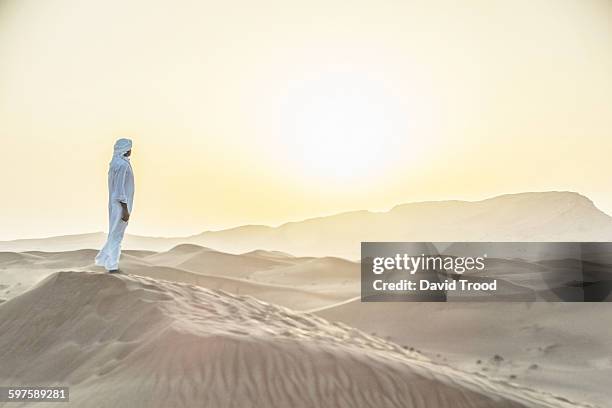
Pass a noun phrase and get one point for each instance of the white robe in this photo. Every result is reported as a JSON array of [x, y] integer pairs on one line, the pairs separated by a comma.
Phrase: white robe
[[120, 190]]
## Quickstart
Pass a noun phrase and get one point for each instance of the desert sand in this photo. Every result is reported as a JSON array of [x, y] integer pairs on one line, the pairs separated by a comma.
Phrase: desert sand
[[128, 341], [559, 349], [563, 348], [297, 282], [556, 349]]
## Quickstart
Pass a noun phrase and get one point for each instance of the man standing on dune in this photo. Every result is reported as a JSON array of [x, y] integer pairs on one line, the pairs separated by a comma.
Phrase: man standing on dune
[[120, 199]]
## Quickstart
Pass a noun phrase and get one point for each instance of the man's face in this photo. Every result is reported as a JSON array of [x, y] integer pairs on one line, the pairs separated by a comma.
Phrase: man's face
[[128, 153]]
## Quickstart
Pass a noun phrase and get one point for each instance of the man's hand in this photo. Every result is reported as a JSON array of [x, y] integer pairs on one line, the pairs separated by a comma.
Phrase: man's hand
[[125, 216]]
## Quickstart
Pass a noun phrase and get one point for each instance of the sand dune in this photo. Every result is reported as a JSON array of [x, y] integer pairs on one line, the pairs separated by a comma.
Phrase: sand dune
[[327, 275], [299, 283], [205, 260], [559, 347], [312, 271], [461, 334], [544, 216], [125, 341], [290, 296]]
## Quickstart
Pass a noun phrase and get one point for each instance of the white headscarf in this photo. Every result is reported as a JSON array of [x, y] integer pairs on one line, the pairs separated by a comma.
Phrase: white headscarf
[[122, 146]]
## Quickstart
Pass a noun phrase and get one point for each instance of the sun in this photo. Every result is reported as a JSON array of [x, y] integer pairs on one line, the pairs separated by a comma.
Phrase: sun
[[344, 126]]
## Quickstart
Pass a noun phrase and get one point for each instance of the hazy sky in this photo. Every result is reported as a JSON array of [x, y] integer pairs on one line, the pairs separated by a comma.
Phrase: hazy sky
[[267, 111]]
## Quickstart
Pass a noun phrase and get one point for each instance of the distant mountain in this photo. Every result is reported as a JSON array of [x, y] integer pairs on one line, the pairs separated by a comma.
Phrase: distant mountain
[[92, 240], [547, 216], [540, 216]]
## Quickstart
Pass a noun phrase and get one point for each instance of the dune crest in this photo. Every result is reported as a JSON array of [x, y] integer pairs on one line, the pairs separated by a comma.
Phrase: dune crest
[[122, 341]]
